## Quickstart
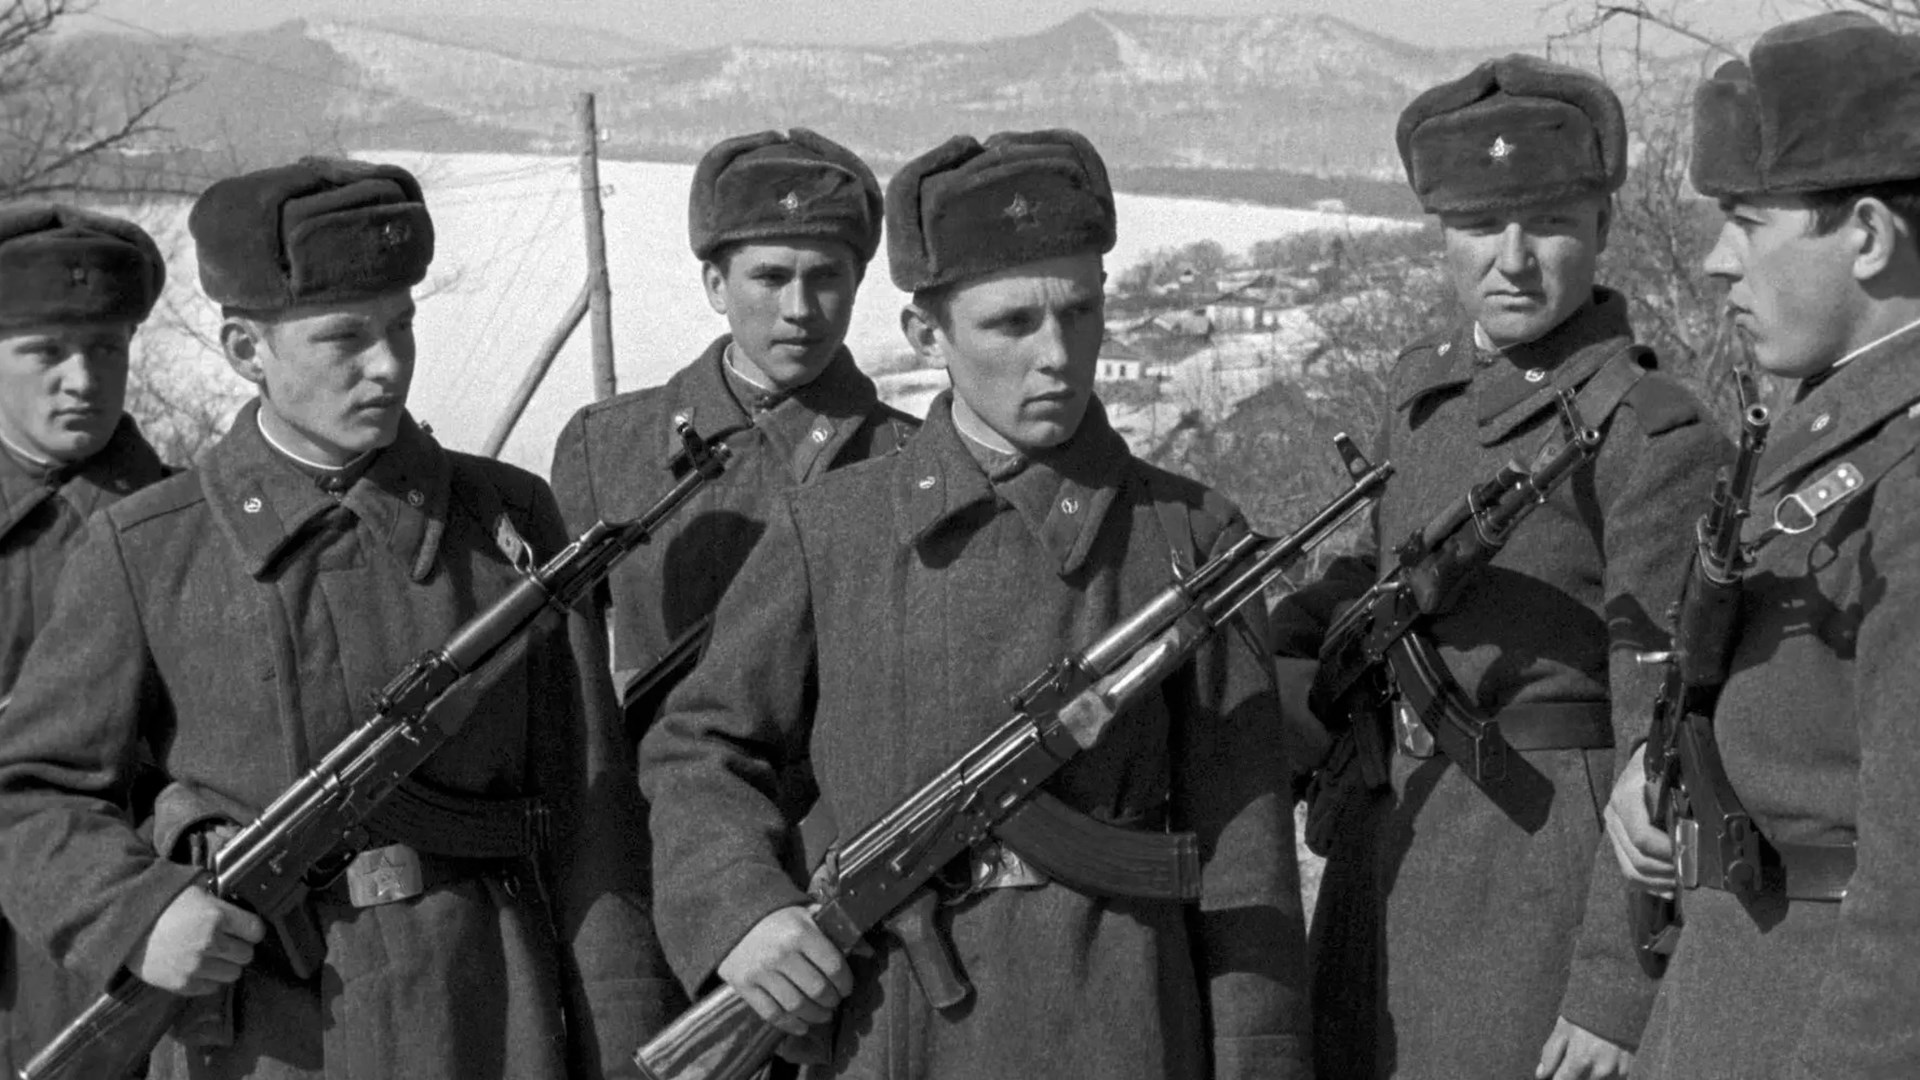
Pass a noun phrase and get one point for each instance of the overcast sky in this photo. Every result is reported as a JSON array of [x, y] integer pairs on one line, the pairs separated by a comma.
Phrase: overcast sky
[[709, 22]]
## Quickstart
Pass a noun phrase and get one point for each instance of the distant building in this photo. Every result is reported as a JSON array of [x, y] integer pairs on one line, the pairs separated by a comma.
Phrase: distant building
[[1119, 362]]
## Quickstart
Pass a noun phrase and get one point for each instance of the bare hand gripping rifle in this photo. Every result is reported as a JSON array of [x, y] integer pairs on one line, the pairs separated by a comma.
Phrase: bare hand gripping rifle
[[312, 830], [1368, 651], [1696, 668], [990, 789]]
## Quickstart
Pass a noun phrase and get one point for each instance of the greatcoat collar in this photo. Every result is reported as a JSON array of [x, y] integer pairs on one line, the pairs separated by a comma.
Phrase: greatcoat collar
[[126, 463], [1504, 396], [1844, 406], [809, 426], [264, 502], [1062, 495]]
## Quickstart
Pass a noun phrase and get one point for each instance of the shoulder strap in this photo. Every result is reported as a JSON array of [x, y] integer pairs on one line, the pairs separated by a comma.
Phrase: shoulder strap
[[482, 499], [1176, 524], [1609, 386], [1858, 471]]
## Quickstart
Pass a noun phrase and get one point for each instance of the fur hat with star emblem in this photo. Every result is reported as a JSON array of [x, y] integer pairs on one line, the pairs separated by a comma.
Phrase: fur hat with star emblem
[[769, 186], [1513, 132], [59, 264], [319, 231], [1822, 103], [967, 208]]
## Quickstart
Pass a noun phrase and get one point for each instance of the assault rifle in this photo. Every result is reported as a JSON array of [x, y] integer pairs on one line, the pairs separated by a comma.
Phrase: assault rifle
[[888, 865], [306, 837], [1368, 648], [1696, 668]]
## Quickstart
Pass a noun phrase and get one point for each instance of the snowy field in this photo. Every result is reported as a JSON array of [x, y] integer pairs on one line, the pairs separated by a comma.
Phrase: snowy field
[[511, 258]]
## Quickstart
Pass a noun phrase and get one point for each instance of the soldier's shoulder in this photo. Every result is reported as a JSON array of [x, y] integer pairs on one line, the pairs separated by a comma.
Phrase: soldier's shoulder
[[615, 419], [157, 503], [515, 486], [1208, 512], [1662, 403]]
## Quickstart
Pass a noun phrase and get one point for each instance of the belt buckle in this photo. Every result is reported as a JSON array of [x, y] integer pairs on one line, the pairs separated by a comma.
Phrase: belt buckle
[[385, 875], [1686, 852], [997, 866], [1412, 735]]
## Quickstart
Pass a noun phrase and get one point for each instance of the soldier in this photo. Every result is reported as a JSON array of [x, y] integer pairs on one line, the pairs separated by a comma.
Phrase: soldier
[[876, 632], [73, 288], [234, 621], [1474, 931], [1810, 972], [783, 226]]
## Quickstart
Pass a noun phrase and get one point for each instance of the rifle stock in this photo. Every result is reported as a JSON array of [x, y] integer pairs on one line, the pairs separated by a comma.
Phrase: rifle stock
[[309, 832], [1696, 668], [1062, 712]]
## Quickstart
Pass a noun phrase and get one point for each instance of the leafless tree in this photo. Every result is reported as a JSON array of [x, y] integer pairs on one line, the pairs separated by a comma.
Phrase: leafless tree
[[70, 123]]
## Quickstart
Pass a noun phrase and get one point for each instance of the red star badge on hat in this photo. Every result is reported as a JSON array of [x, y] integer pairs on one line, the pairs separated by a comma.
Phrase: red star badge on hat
[[1025, 215], [1501, 149], [790, 202], [394, 233], [78, 274]]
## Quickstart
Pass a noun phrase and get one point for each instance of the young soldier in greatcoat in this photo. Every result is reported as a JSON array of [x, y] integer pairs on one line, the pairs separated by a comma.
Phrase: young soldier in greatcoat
[[876, 632], [783, 226], [233, 621], [1810, 149], [73, 287], [1464, 931]]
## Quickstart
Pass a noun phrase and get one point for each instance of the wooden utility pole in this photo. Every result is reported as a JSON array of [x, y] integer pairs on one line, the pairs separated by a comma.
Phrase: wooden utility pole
[[599, 288], [536, 371]]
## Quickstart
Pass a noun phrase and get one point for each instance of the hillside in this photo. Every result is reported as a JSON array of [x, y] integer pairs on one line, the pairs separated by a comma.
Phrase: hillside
[[1165, 96]]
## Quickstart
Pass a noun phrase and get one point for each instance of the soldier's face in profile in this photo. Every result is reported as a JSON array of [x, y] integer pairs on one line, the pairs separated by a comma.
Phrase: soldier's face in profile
[[1790, 289], [788, 304], [63, 387], [333, 378], [1021, 346], [1519, 273]]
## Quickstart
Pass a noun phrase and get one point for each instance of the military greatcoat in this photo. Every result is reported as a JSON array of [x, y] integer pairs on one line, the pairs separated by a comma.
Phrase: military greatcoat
[[1816, 728], [234, 621], [611, 462], [879, 628], [41, 514], [1450, 931]]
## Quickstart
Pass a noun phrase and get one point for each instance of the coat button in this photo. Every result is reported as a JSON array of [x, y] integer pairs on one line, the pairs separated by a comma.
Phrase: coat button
[[1820, 422], [415, 499], [1535, 375], [1069, 506], [252, 505], [820, 434], [926, 483]]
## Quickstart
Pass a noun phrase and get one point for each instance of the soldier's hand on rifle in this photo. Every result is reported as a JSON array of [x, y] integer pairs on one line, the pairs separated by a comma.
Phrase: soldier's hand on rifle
[[1644, 851], [199, 944], [788, 971]]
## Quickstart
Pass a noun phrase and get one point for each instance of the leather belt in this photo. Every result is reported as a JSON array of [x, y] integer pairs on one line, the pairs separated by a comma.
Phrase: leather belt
[[387, 875], [1547, 725], [1816, 872]]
